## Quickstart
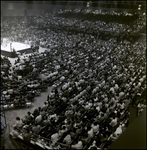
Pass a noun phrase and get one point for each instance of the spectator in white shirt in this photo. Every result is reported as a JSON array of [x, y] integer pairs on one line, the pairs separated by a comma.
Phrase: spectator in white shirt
[[67, 139], [79, 145], [38, 119], [14, 133], [113, 123], [95, 127], [90, 132], [55, 138], [18, 123]]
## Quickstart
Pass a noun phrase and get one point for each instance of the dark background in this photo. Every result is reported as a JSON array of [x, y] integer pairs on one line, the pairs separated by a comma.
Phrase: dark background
[[32, 8]]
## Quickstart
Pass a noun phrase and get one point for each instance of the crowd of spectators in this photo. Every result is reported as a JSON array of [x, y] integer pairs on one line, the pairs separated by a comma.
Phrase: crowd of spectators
[[109, 23], [86, 21], [93, 83]]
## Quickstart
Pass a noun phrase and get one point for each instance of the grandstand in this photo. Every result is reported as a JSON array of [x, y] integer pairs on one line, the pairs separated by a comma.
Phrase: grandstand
[[83, 84]]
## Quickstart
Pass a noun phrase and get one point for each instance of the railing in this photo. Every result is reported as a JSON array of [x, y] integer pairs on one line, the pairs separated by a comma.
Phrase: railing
[[38, 140]]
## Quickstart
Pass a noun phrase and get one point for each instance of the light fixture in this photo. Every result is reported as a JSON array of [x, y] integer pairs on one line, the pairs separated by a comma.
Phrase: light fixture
[[139, 7], [87, 4]]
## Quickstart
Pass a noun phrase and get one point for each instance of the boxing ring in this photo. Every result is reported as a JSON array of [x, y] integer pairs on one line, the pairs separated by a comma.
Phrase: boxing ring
[[11, 49]]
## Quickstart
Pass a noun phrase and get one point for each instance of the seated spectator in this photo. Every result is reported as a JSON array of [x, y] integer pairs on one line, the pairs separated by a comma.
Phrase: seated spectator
[[93, 146], [108, 131], [121, 105], [46, 121], [38, 119], [99, 138], [117, 133], [116, 87], [73, 132], [113, 122], [36, 112], [29, 118], [118, 130], [95, 128], [63, 130], [112, 90], [121, 94], [14, 133], [16, 102], [36, 128], [90, 134], [67, 139], [22, 101], [18, 123], [55, 137], [28, 125], [27, 137], [43, 113], [79, 145], [45, 106]]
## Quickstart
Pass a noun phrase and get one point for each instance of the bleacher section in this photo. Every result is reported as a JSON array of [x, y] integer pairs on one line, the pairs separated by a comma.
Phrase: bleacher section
[[94, 78]]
